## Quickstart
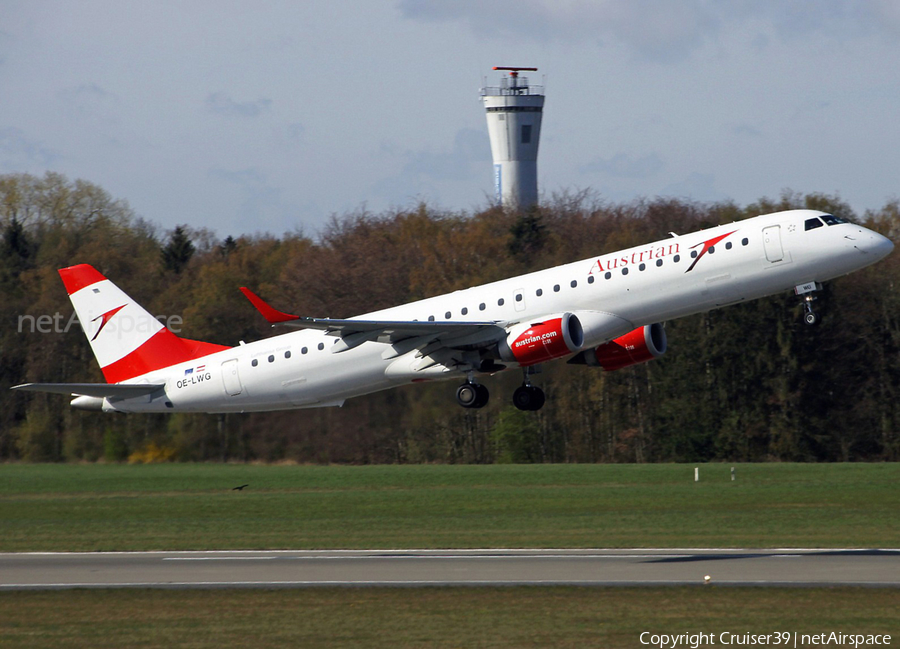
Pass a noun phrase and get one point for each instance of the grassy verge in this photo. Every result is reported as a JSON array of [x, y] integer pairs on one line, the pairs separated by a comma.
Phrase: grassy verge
[[432, 617], [100, 507]]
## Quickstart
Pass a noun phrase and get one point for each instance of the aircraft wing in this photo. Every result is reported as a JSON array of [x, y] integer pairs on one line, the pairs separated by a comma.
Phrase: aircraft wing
[[413, 334], [99, 390]]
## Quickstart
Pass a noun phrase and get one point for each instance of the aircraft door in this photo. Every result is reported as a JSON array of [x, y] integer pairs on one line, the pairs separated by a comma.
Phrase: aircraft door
[[230, 377], [772, 243]]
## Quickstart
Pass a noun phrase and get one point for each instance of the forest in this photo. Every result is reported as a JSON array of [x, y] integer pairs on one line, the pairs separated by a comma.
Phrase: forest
[[745, 383]]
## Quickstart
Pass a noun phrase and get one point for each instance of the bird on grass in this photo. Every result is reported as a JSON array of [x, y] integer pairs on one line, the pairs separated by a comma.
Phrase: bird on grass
[[241, 488]]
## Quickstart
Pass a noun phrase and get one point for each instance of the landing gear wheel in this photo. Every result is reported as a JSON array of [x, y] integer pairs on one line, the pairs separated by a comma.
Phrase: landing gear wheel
[[810, 317], [472, 395], [529, 398]]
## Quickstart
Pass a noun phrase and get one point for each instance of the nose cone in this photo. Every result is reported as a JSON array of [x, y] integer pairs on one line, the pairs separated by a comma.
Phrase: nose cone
[[878, 245]]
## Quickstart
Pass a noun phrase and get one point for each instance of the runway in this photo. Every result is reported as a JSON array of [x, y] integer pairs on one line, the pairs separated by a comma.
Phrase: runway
[[411, 568]]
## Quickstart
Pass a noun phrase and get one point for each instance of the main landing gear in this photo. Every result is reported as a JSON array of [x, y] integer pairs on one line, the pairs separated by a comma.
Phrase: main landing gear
[[528, 397], [472, 395]]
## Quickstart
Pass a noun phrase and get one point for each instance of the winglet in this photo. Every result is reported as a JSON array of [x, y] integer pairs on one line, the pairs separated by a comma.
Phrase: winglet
[[274, 316]]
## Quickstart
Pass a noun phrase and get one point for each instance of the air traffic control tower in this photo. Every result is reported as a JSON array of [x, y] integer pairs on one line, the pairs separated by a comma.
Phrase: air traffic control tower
[[514, 111]]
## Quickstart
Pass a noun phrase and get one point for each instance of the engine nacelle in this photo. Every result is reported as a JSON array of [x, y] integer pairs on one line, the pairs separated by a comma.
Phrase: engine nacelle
[[532, 342], [638, 346]]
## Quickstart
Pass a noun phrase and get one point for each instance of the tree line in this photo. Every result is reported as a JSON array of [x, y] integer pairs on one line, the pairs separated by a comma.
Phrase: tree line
[[748, 382]]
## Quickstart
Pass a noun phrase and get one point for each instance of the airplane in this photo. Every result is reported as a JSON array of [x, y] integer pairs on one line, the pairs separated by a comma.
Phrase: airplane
[[604, 312]]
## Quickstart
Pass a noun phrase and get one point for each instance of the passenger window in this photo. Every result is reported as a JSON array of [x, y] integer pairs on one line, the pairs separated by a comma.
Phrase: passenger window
[[728, 246], [539, 292], [431, 318], [624, 271], [556, 288], [607, 275], [745, 241], [500, 302], [642, 267], [481, 307], [287, 354], [812, 224], [573, 283], [465, 310], [518, 297], [590, 279], [304, 350], [272, 358], [254, 362], [321, 346], [447, 315], [677, 258], [658, 263]]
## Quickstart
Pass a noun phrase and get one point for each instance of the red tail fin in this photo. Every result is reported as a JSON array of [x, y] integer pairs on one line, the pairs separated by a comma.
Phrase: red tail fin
[[126, 340]]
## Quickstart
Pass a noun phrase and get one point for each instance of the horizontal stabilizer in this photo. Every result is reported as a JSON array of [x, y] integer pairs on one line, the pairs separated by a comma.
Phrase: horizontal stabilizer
[[99, 390]]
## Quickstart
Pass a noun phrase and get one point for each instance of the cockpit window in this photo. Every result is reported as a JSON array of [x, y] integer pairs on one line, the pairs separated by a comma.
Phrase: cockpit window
[[833, 220], [812, 224]]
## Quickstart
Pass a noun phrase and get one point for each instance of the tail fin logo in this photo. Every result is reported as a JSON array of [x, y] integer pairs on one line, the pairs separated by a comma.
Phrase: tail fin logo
[[106, 318]]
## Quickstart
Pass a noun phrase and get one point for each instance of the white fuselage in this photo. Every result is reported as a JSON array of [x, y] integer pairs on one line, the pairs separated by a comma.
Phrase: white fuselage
[[623, 290]]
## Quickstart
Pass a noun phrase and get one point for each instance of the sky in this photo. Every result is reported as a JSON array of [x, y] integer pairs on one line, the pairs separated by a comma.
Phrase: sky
[[269, 116]]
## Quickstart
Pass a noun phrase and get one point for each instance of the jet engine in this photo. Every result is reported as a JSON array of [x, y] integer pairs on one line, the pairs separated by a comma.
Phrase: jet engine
[[531, 342], [638, 346]]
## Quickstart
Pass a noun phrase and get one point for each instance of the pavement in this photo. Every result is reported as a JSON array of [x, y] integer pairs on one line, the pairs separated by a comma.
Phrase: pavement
[[487, 567]]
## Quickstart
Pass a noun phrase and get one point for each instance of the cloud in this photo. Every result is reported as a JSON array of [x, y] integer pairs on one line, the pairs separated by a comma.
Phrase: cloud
[[697, 186], [745, 129], [89, 101], [261, 203], [469, 147], [22, 151], [652, 29], [660, 30], [622, 165], [222, 104]]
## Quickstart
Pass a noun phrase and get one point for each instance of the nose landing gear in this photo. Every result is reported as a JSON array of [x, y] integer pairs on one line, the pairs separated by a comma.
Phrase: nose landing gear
[[810, 317]]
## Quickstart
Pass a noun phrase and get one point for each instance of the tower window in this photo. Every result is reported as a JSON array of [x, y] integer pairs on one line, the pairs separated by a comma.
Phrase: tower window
[[526, 133]]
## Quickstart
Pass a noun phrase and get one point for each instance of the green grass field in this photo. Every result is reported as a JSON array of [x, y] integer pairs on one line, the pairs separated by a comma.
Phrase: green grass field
[[432, 617], [117, 507], [185, 506]]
